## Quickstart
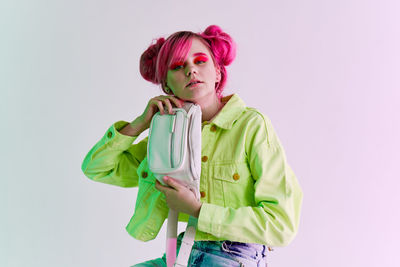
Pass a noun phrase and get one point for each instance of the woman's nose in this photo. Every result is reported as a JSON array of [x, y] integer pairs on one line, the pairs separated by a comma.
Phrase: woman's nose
[[190, 69]]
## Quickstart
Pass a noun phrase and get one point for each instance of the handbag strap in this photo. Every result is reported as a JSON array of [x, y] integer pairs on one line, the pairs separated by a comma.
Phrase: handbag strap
[[187, 243], [172, 226]]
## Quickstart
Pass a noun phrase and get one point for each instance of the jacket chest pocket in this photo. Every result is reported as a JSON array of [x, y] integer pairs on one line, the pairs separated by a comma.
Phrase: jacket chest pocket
[[233, 185]]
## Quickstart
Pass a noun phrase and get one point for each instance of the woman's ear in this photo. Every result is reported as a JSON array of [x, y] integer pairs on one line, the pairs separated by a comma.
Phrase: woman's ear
[[166, 88], [218, 74]]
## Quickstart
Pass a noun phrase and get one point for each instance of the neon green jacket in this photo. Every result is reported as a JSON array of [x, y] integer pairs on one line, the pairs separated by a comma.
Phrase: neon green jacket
[[249, 192]]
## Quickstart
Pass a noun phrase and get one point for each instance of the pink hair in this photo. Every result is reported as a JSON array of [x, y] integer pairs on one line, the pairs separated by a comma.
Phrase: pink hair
[[155, 61]]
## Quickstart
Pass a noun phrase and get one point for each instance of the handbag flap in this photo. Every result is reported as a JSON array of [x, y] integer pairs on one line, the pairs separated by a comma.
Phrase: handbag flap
[[165, 147]]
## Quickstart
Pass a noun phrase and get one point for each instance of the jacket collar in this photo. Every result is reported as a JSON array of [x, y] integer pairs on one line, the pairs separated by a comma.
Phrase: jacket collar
[[230, 112]]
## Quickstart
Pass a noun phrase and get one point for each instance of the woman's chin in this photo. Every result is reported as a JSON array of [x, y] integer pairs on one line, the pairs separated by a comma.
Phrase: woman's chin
[[196, 96]]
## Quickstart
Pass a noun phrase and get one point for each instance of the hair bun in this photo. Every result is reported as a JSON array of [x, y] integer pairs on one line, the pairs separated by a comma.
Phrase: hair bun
[[148, 61], [223, 44]]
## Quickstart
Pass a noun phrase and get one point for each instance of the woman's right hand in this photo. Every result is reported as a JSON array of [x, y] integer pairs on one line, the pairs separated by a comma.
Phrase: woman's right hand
[[162, 103]]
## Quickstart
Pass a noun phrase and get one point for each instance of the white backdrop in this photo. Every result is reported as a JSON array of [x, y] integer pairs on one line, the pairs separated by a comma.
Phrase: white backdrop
[[325, 72]]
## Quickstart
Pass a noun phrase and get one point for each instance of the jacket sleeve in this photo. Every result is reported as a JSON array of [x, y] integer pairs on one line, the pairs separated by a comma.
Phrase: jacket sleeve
[[274, 220], [114, 160]]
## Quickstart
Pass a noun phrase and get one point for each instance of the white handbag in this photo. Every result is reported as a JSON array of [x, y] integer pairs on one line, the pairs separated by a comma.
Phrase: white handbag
[[174, 149]]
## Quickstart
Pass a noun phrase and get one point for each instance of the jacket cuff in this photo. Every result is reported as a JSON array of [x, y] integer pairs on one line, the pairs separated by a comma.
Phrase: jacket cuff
[[116, 140], [209, 220]]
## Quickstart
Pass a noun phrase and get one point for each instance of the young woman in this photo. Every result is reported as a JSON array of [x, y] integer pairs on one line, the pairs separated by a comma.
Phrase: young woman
[[250, 197]]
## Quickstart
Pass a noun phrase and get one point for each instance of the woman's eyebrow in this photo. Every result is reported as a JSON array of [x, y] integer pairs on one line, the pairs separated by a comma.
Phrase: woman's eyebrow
[[199, 54]]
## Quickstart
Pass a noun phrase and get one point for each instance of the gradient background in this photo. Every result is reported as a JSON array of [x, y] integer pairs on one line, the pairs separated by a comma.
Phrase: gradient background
[[325, 72]]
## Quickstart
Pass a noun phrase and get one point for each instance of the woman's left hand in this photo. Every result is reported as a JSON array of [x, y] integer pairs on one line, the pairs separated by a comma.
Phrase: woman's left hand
[[179, 197]]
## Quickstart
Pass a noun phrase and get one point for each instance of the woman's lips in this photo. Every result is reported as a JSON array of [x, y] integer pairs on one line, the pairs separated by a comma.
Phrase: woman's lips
[[194, 84]]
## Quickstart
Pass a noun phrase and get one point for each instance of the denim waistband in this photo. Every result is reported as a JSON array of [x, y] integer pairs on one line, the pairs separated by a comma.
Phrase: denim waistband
[[249, 250]]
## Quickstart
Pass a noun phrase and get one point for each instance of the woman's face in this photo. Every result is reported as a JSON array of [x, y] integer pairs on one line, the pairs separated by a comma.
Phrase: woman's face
[[198, 67]]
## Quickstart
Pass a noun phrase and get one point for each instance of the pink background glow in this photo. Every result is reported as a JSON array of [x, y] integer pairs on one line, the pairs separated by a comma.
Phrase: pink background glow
[[325, 72]]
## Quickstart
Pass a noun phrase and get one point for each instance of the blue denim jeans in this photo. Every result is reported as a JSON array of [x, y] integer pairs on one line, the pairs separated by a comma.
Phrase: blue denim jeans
[[218, 253]]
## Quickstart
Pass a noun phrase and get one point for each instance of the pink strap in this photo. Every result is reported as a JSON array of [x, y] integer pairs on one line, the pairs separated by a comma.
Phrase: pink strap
[[171, 251]]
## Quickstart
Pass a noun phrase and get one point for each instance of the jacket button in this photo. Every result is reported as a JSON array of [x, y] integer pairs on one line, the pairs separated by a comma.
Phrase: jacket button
[[213, 128], [202, 194], [236, 177], [204, 158], [144, 174], [109, 134]]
